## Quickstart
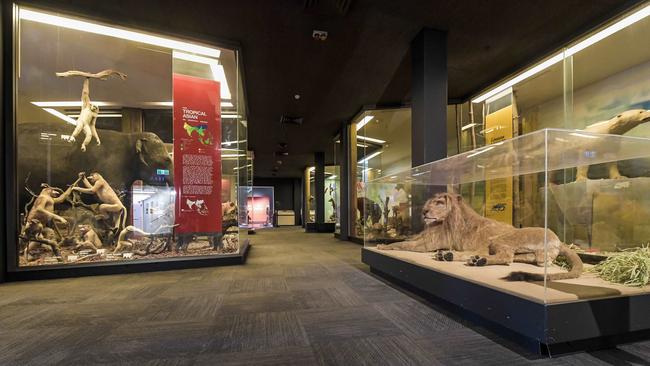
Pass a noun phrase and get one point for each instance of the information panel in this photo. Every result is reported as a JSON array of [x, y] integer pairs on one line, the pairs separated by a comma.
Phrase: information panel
[[197, 155]]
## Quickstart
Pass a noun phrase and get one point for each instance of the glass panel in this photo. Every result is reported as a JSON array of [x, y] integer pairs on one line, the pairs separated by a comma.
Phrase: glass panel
[[614, 213], [150, 101], [383, 148]]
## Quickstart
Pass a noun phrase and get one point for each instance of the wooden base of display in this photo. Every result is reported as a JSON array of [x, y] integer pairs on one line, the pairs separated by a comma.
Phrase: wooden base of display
[[108, 268], [546, 329]]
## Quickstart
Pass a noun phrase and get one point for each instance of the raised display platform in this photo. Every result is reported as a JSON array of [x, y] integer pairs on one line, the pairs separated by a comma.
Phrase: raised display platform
[[109, 268], [576, 316]]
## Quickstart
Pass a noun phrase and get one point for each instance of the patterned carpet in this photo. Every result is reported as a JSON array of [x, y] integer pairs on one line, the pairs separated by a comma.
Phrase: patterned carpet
[[302, 299]]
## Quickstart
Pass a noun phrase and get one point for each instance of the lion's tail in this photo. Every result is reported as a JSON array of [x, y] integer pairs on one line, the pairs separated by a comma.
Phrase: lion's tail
[[571, 256]]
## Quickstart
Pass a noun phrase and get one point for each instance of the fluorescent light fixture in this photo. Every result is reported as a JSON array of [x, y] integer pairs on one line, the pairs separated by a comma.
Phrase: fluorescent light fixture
[[217, 70], [159, 104], [105, 115], [367, 158], [362, 145], [71, 23], [467, 127], [232, 155], [332, 177], [584, 135], [60, 115], [230, 116], [364, 122], [227, 104], [604, 33], [519, 78], [481, 152], [608, 31], [311, 169], [243, 167], [370, 139], [228, 143], [499, 95], [70, 104]]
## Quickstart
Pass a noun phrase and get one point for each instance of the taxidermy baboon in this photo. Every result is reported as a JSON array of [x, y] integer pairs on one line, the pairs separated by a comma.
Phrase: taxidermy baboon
[[111, 204], [88, 238]]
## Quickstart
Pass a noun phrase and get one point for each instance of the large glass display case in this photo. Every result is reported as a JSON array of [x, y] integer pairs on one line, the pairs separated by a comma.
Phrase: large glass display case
[[383, 147], [257, 203], [129, 146], [569, 224]]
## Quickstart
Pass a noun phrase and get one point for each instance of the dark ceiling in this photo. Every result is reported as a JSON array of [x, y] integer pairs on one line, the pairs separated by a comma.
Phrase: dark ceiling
[[364, 61]]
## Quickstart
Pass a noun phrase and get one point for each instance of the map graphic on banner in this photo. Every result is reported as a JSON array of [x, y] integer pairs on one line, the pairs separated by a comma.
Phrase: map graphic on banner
[[197, 154]]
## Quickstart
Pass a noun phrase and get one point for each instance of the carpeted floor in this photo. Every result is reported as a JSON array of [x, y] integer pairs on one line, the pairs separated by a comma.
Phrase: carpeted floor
[[302, 299]]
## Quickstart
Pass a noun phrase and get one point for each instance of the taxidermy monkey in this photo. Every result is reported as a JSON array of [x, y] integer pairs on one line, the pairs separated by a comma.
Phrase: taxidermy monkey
[[618, 125], [38, 237], [89, 239], [89, 112], [111, 204], [43, 207], [123, 242]]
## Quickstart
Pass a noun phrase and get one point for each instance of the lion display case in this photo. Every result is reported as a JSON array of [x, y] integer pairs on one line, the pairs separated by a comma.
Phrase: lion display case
[[128, 148], [516, 233]]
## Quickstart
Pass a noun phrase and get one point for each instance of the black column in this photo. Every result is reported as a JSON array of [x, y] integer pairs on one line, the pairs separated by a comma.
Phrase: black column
[[319, 190], [5, 71], [344, 176], [297, 200], [428, 110], [429, 96]]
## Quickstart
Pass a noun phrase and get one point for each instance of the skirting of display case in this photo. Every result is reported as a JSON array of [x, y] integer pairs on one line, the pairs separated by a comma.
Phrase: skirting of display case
[[327, 227], [108, 268], [546, 329]]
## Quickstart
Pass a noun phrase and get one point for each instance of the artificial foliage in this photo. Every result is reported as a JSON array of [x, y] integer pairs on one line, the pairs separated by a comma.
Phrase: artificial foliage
[[630, 267]]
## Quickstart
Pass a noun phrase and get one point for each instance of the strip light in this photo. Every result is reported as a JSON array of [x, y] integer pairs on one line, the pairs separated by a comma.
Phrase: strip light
[[69, 104], [599, 36], [367, 158], [364, 122], [370, 139], [481, 152], [83, 26], [105, 115], [467, 127], [217, 70], [58, 114]]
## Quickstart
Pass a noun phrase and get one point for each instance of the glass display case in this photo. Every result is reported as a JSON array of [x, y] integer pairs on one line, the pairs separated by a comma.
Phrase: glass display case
[[566, 222], [257, 203], [383, 144], [332, 193], [129, 146]]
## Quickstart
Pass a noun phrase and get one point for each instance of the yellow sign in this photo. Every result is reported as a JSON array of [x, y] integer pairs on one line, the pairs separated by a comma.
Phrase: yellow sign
[[498, 192]]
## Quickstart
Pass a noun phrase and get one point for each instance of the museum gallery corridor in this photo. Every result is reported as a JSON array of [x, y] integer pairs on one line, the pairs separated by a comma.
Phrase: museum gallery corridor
[[301, 299]]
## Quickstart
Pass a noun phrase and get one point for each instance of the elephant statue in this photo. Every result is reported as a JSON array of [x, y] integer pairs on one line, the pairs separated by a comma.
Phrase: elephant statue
[[45, 155]]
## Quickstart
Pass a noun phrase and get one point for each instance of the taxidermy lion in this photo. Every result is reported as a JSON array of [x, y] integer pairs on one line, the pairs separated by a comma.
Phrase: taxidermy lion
[[458, 233]]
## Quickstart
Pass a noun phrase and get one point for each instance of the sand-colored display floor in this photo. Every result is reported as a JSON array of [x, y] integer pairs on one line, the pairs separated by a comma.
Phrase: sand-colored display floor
[[588, 286]]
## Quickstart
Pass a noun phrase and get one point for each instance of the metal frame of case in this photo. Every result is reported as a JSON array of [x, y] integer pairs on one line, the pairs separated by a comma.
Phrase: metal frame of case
[[9, 271]]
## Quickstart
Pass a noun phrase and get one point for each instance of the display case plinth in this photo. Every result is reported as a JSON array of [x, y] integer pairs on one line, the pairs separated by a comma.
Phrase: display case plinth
[[327, 227], [588, 322], [108, 268]]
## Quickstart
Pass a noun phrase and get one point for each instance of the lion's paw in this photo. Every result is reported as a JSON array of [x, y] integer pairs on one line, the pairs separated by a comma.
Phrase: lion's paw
[[476, 261], [444, 256]]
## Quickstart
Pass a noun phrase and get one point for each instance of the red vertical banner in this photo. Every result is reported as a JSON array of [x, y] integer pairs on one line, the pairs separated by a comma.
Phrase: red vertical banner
[[197, 154]]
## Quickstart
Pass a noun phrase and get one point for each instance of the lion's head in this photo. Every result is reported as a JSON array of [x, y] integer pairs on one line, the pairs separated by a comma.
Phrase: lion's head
[[439, 208]]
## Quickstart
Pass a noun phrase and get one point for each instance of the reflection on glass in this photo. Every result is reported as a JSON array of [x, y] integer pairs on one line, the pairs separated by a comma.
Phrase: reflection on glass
[[383, 147], [101, 113]]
